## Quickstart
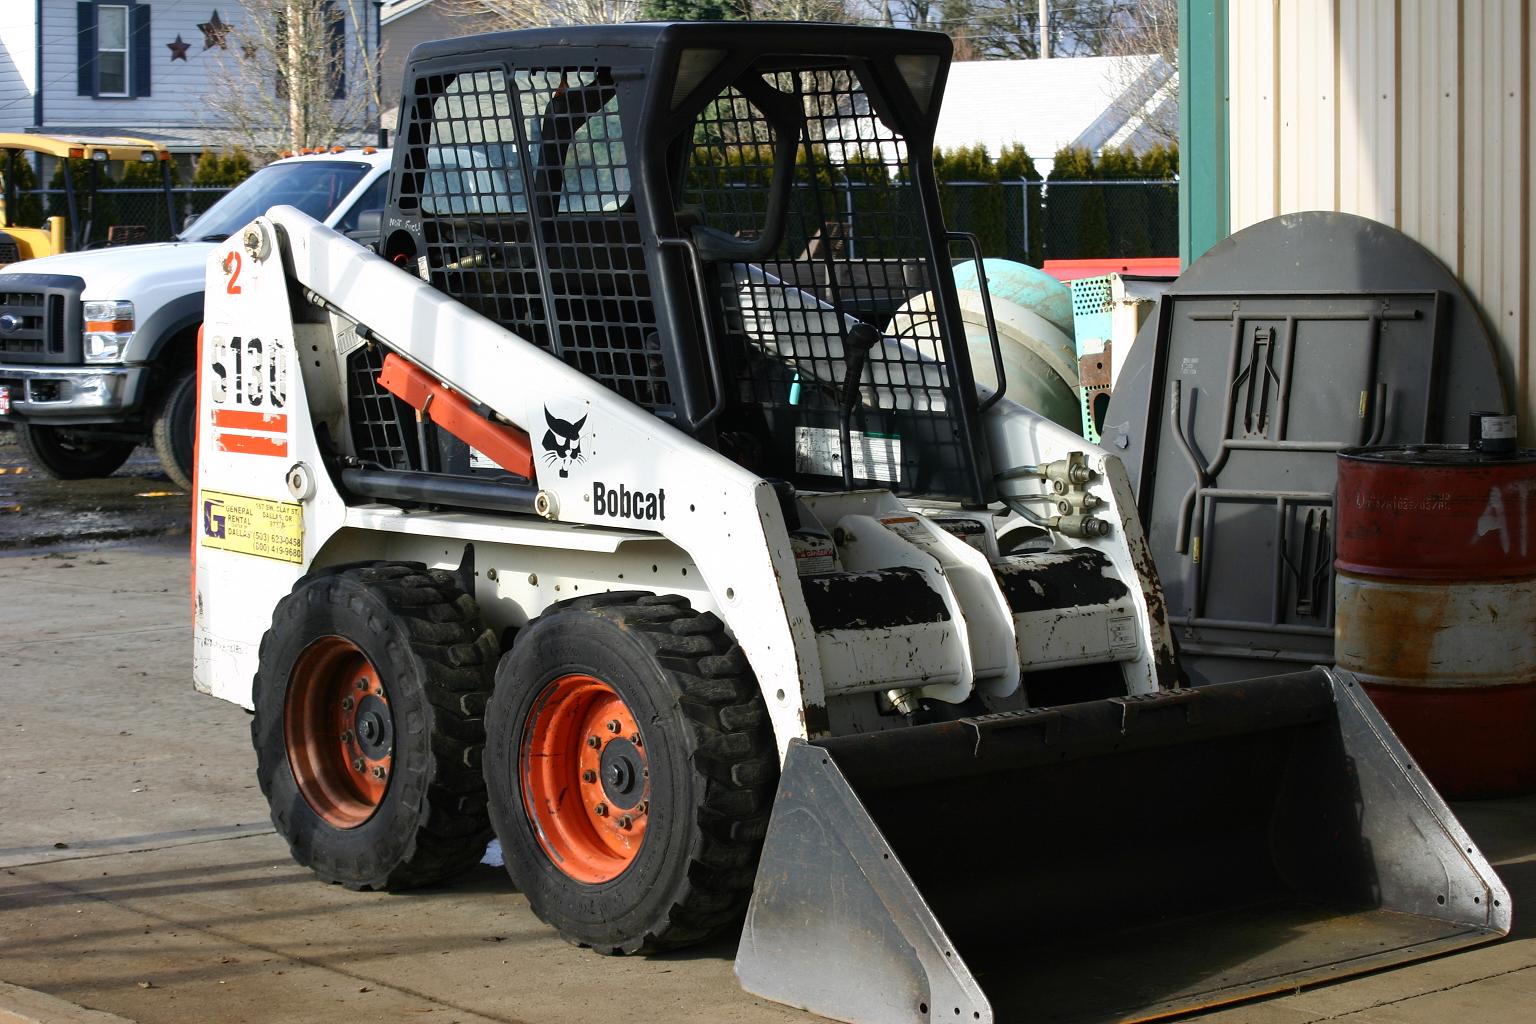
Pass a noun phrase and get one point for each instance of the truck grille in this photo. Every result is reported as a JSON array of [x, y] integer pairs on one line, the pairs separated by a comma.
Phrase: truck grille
[[40, 318], [23, 323], [9, 252]]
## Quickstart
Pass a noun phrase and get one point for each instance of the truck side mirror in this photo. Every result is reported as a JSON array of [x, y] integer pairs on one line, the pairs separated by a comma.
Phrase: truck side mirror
[[369, 223]]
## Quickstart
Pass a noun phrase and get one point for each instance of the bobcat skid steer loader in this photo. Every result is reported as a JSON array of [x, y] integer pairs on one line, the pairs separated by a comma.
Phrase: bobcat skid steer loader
[[604, 508]]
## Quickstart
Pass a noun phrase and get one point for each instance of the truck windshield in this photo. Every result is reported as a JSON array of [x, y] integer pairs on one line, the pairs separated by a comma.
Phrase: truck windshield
[[313, 186]]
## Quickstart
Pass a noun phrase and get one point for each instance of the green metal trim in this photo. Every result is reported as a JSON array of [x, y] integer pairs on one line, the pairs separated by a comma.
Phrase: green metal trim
[[1205, 199]]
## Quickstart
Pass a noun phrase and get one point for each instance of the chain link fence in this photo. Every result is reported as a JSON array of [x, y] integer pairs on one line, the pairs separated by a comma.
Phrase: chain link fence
[[1025, 221], [1033, 221], [122, 216]]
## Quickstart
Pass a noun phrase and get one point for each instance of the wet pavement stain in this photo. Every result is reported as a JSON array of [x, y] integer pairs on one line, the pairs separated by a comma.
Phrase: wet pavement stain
[[139, 500]]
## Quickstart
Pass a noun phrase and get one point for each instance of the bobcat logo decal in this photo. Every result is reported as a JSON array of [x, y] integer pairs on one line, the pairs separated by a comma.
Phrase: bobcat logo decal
[[562, 442]]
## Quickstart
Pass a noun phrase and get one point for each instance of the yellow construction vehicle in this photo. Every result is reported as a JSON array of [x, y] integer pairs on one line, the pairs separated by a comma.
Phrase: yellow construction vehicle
[[68, 232]]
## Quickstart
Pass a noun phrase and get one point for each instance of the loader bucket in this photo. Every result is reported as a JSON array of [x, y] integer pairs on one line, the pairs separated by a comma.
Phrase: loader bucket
[[1119, 860]]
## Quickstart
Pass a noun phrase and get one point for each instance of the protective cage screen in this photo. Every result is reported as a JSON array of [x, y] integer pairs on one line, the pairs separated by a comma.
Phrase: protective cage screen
[[523, 192], [854, 248]]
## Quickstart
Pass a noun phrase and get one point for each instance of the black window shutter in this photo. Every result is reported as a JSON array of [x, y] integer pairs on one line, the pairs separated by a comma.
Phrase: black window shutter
[[85, 61], [336, 36], [280, 27], [138, 47]]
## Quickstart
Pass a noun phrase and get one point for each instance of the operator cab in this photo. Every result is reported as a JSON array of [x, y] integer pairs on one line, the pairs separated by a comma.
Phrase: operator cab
[[733, 226]]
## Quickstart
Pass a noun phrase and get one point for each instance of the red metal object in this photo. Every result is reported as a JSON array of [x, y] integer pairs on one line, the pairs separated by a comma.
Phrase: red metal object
[[1142, 266], [1436, 512], [339, 731], [1472, 743], [1435, 595], [504, 445], [586, 785]]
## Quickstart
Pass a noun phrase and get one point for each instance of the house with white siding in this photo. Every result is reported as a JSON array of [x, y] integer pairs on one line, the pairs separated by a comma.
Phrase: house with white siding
[[1092, 103], [404, 23], [134, 67]]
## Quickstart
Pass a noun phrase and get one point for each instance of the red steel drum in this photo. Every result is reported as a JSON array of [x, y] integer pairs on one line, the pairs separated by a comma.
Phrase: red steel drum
[[1435, 594]]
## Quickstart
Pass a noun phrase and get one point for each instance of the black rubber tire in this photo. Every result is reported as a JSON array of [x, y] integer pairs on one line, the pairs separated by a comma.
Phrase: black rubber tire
[[61, 453], [174, 430], [435, 658], [713, 769]]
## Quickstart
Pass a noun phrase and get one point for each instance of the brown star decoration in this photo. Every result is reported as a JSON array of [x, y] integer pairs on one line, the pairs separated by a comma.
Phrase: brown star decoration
[[215, 32], [179, 48]]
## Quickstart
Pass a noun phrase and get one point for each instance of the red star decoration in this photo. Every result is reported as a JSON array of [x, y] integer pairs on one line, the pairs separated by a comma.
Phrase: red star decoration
[[178, 48], [215, 32]]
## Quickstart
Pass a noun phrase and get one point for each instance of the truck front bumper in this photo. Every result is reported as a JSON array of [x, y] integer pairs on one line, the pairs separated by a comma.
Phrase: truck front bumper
[[72, 395]]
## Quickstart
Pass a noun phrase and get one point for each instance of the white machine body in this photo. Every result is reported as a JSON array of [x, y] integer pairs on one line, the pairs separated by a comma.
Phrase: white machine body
[[630, 504]]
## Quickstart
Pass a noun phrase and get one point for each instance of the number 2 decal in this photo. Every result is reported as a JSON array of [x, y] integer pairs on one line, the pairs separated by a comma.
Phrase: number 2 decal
[[232, 268]]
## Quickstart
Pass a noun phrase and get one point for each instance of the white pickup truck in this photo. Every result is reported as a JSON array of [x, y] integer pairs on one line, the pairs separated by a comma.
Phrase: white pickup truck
[[98, 348]]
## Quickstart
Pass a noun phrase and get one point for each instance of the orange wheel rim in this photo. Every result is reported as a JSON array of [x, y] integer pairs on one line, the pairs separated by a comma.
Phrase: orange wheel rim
[[339, 731], [586, 780]]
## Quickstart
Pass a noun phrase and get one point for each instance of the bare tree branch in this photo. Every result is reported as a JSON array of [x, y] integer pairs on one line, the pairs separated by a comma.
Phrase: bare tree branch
[[275, 87], [1151, 28], [498, 15]]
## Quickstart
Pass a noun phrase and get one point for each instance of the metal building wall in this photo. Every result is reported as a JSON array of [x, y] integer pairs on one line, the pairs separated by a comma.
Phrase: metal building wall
[[1416, 113]]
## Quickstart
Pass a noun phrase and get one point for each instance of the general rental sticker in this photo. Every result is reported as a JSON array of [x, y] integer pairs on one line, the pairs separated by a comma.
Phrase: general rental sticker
[[253, 526]]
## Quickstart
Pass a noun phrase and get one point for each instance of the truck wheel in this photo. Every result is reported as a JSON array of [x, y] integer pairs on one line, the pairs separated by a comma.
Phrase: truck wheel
[[630, 768], [65, 454], [369, 694], [175, 423]]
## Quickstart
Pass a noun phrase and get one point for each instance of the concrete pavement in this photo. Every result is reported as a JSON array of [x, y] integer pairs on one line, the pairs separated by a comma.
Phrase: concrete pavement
[[139, 875]]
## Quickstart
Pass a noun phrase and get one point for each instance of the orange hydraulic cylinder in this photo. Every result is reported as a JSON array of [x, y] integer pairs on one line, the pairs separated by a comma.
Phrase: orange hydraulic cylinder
[[504, 445]]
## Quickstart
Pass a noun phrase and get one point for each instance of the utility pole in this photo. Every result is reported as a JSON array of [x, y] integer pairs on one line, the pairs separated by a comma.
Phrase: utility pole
[[1045, 32]]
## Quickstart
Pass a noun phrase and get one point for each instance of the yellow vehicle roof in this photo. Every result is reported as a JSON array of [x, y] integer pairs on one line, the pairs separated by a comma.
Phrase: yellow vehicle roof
[[116, 147]]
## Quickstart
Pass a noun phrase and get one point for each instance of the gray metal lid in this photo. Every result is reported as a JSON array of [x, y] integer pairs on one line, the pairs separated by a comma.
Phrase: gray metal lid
[[1288, 342]]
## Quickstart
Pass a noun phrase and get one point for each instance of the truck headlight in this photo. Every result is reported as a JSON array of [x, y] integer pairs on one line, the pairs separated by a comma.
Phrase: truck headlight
[[108, 329]]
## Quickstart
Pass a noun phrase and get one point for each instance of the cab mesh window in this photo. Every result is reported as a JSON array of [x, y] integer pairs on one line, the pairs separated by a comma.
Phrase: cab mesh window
[[853, 248], [472, 160], [523, 192], [595, 177]]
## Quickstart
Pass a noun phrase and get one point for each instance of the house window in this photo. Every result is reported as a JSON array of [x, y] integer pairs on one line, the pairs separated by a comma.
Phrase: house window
[[111, 51], [114, 48]]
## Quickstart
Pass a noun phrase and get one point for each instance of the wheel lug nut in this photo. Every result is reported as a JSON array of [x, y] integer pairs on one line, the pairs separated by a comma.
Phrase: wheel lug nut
[[346, 703], [642, 806], [589, 776], [634, 738], [346, 736], [594, 742], [626, 822], [357, 765], [614, 726], [362, 684], [601, 810], [378, 772]]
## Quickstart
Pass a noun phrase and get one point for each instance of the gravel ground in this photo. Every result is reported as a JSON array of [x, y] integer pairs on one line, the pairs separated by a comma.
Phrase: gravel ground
[[138, 500]]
